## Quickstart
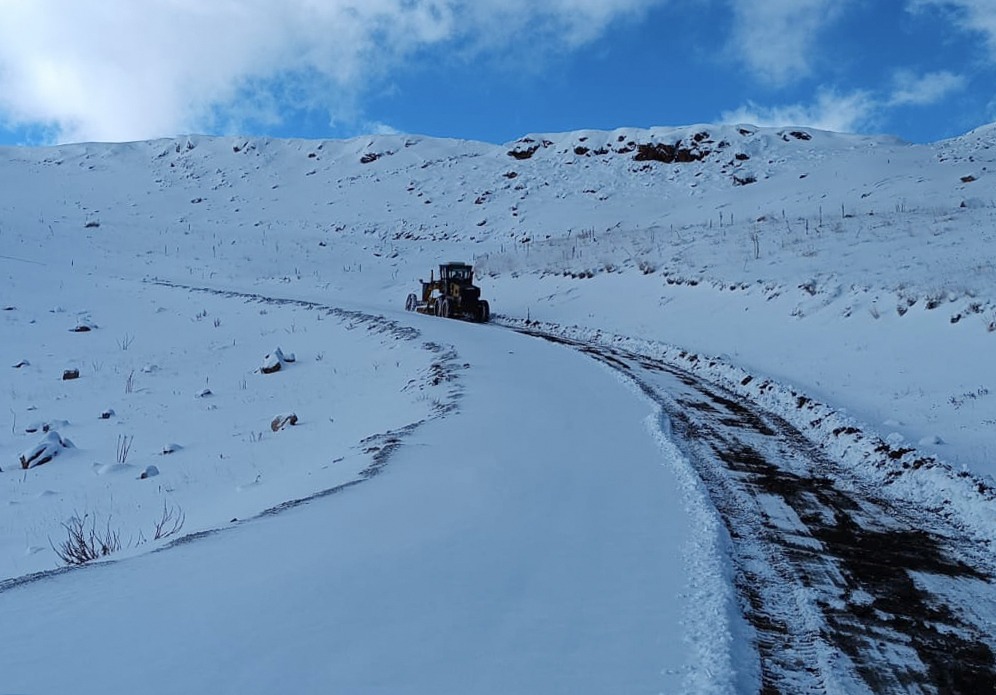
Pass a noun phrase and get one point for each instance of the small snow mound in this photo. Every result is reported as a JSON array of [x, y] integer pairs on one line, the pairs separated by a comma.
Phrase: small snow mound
[[932, 440], [171, 448], [83, 326], [149, 472], [45, 426], [894, 439], [111, 468], [974, 204]]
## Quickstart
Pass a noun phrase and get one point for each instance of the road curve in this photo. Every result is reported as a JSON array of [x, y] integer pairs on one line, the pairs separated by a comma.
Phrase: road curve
[[530, 541], [848, 590]]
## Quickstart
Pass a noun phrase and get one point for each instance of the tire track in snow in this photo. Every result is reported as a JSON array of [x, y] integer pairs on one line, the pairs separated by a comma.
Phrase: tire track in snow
[[380, 447], [847, 590]]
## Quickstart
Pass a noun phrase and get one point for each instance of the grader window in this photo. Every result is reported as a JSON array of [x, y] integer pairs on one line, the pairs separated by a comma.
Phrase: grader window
[[457, 274]]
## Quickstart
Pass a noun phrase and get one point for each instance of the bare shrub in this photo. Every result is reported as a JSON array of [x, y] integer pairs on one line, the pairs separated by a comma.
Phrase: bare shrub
[[84, 543], [170, 522]]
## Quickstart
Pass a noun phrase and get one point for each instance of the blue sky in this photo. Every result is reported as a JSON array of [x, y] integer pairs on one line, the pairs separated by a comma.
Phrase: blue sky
[[490, 70]]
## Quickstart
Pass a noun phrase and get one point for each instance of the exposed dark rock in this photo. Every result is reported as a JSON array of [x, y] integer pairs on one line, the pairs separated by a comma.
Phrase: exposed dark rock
[[525, 153], [283, 421], [669, 154], [801, 135]]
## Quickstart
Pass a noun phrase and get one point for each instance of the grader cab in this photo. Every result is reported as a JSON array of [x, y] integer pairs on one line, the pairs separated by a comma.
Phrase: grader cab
[[453, 295]]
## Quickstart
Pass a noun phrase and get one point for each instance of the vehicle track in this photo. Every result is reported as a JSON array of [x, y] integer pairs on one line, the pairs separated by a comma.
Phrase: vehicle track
[[444, 368], [847, 589]]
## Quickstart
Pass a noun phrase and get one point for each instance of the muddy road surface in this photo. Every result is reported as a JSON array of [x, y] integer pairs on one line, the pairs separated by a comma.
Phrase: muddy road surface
[[848, 590]]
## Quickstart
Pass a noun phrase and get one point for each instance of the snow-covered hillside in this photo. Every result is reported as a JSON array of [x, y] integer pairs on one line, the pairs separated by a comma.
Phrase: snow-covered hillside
[[852, 274], [845, 253]]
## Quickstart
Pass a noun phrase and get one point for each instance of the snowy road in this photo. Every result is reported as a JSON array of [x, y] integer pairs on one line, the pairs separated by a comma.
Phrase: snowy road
[[848, 590], [565, 527], [537, 539]]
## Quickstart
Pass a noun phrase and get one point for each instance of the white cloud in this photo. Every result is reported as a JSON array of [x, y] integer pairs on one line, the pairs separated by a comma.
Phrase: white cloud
[[855, 111], [777, 37], [134, 69], [971, 15], [842, 113], [924, 90]]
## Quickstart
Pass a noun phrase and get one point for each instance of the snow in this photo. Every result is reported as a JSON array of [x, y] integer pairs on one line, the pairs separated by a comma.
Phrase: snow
[[458, 508]]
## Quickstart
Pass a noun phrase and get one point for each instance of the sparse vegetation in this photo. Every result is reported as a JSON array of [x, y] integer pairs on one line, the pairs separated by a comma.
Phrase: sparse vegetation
[[86, 540], [123, 448], [170, 522], [84, 543]]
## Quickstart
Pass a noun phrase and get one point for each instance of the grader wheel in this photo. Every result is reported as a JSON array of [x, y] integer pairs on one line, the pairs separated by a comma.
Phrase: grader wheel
[[411, 302]]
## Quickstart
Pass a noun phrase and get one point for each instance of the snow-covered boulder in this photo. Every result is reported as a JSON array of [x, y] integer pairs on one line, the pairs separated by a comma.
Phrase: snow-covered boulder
[[274, 361], [149, 472], [271, 363], [83, 326], [50, 446]]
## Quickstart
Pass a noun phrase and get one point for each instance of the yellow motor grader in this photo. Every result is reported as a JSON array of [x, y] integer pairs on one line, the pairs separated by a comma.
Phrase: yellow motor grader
[[453, 295]]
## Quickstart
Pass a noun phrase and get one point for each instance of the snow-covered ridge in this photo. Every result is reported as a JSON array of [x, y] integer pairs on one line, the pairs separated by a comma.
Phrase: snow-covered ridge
[[542, 184]]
